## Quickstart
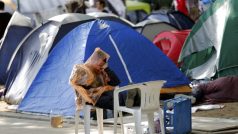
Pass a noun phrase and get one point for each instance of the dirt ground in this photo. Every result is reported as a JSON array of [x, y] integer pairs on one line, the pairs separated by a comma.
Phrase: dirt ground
[[230, 110]]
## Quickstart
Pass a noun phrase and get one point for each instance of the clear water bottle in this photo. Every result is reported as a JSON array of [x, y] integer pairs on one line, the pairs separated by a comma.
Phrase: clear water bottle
[[56, 119]]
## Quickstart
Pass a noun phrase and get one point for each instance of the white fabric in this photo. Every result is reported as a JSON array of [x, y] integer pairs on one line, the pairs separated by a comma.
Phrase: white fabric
[[30, 6], [20, 20], [207, 107], [119, 7]]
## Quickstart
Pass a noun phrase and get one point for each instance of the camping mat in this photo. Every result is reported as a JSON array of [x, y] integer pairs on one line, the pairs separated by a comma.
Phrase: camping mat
[[218, 132], [207, 124], [179, 89]]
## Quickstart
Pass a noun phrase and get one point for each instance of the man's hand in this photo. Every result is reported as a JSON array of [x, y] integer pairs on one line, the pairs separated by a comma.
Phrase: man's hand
[[83, 93], [107, 88], [102, 89], [88, 99]]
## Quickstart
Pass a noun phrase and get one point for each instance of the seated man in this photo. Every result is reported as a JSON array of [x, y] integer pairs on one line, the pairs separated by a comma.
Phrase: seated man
[[92, 82]]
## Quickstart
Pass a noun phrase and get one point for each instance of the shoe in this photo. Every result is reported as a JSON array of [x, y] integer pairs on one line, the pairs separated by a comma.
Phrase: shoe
[[130, 97]]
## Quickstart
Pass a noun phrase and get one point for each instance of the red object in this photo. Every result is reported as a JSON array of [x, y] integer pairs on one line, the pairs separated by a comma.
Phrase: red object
[[181, 6], [171, 43]]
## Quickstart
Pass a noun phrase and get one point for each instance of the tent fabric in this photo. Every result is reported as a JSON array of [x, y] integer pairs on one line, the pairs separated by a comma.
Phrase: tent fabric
[[117, 7], [139, 26], [137, 5], [29, 6], [136, 16], [210, 50], [175, 18], [50, 89], [171, 43], [33, 51], [19, 26], [137, 11], [150, 30], [181, 6], [112, 17]]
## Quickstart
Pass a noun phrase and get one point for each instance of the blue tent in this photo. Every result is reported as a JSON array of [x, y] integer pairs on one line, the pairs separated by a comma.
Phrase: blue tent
[[50, 89], [18, 27], [32, 52]]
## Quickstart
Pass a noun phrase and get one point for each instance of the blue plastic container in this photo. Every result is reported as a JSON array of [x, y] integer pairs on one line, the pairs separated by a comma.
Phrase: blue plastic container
[[177, 115]]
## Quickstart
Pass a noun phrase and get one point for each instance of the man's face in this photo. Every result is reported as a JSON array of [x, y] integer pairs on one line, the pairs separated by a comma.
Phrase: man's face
[[101, 64]]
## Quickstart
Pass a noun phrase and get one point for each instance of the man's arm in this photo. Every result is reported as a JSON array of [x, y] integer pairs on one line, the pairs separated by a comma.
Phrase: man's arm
[[81, 91]]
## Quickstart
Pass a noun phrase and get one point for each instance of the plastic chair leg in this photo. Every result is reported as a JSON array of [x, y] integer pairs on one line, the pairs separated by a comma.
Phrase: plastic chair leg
[[137, 116], [122, 126], [151, 122], [100, 120], [115, 121], [76, 121], [161, 119], [86, 111]]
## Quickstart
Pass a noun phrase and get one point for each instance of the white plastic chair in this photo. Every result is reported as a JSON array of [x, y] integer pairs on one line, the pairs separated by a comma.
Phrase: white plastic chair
[[86, 111], [150, 103]]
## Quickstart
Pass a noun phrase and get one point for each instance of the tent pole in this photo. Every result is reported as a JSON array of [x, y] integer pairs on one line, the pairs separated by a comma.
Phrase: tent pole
[[123, 62], [18, 5]]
